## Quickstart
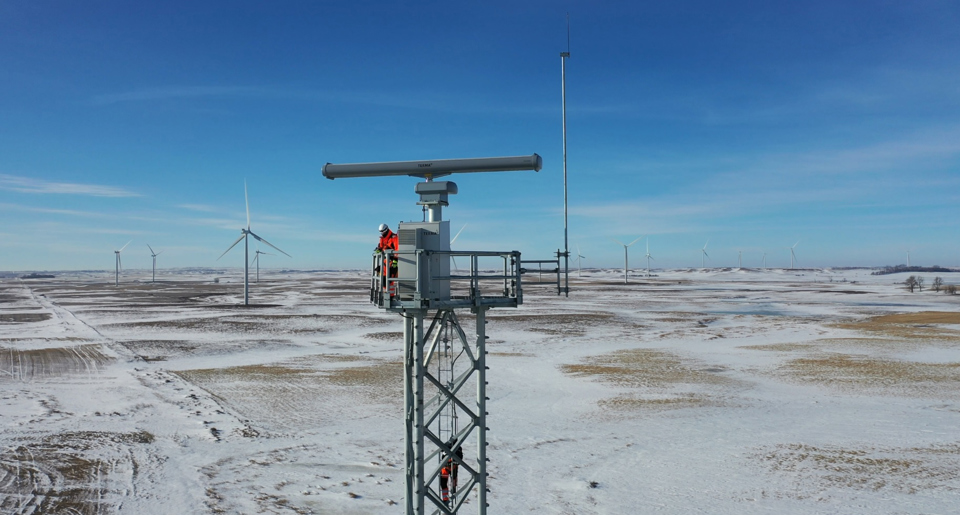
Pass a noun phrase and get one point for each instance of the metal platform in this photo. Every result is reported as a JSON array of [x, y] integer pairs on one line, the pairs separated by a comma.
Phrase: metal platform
[[476, 286]]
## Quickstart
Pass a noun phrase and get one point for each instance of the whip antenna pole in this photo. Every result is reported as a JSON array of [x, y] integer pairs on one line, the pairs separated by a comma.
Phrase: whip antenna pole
[[563, 93]]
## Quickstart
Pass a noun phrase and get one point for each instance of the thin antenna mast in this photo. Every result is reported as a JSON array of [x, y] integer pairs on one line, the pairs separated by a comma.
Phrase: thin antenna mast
[[563, 93]]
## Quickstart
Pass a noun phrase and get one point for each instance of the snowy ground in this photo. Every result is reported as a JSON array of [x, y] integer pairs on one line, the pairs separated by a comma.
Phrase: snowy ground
[[719, 391]]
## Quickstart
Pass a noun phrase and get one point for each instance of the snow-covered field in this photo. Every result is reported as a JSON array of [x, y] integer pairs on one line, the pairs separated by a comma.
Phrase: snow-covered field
[[719, 391]]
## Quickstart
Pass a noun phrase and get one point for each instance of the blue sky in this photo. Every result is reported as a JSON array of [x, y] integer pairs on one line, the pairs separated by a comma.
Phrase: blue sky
[[753, 125]]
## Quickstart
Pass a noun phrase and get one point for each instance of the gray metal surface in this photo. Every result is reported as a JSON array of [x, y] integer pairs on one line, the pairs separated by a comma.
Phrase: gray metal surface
[[433, 168]]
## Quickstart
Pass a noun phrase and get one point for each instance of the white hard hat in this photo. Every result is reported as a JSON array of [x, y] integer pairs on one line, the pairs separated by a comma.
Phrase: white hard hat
[[383, 227]]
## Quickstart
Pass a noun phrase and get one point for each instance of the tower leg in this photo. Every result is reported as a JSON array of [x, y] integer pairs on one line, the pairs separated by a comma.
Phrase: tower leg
[[481, 359], [413, 411]]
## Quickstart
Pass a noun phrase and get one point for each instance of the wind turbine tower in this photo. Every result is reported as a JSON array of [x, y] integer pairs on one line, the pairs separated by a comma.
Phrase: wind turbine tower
[[764, 260], [119, 265], [579, 257], [154, 256], [626, 259], [739, 259], [256, 260], [793, 256], [244, 233], [908, 258], [648, 256]]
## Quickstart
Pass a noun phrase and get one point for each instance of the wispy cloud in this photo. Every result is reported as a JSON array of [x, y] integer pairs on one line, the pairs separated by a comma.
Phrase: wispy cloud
[[423, 100], [203, 208], [174, 92], [52, 211], [39, 186]]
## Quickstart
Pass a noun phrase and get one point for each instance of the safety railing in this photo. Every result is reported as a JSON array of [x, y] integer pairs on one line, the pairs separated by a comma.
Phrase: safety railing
[[423, 279], [551, 267]]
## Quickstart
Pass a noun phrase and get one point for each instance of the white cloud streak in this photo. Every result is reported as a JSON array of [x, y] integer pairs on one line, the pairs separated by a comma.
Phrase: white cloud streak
[[37, 186]]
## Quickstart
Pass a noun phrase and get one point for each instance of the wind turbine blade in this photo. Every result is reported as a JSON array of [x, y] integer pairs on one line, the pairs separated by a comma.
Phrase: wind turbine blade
[[795, 244], [705, 254], [578, 249], [636, 240], [119, 263], [231, 246], [246, 199], [458, 234], [158, 253], [151, 250], [255, 258], [268, 243], [618, 242], [125, 246], [267, 253], [705, 245]]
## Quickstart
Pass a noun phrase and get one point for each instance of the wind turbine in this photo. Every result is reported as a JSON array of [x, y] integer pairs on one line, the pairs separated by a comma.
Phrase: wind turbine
[[455, 267], [119, 265], [648, 256], [579, 257], [739, 258], [256, 259], [625, 258], [154, 256], [704, 254], [908, 258], [764, 260], [792, 255], [244, 233]]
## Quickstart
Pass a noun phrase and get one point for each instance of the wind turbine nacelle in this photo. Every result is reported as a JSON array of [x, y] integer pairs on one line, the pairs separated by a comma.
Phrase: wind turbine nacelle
[[434, 168]]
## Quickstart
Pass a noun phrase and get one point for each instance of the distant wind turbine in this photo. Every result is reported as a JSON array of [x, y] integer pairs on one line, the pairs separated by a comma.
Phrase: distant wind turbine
[[579, 257], [739, 259], [704, 254], [119, 265], [908, 258], [625, 257], [793, 256], [244, 233], [648, 256], [154, 256], [256, 260], [764, 260], [455, 267]]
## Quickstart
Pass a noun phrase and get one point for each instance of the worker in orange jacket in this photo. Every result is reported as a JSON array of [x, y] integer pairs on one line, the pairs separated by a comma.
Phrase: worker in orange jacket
[[388, 241], [444, 478]]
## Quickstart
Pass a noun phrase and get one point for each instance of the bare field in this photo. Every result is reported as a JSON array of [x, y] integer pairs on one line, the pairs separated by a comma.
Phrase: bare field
[[699, 391]]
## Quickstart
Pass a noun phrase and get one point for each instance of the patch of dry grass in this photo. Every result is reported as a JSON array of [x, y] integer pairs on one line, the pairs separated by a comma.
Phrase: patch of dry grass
[[578, 319], [909, 470], [865, 373], [65, 472], [627, 403], [925, 325], [780, 347], [376, 376], [26, 365], [385, 336], [644, 368], [23, 318], [923, 317], [300, 383]]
